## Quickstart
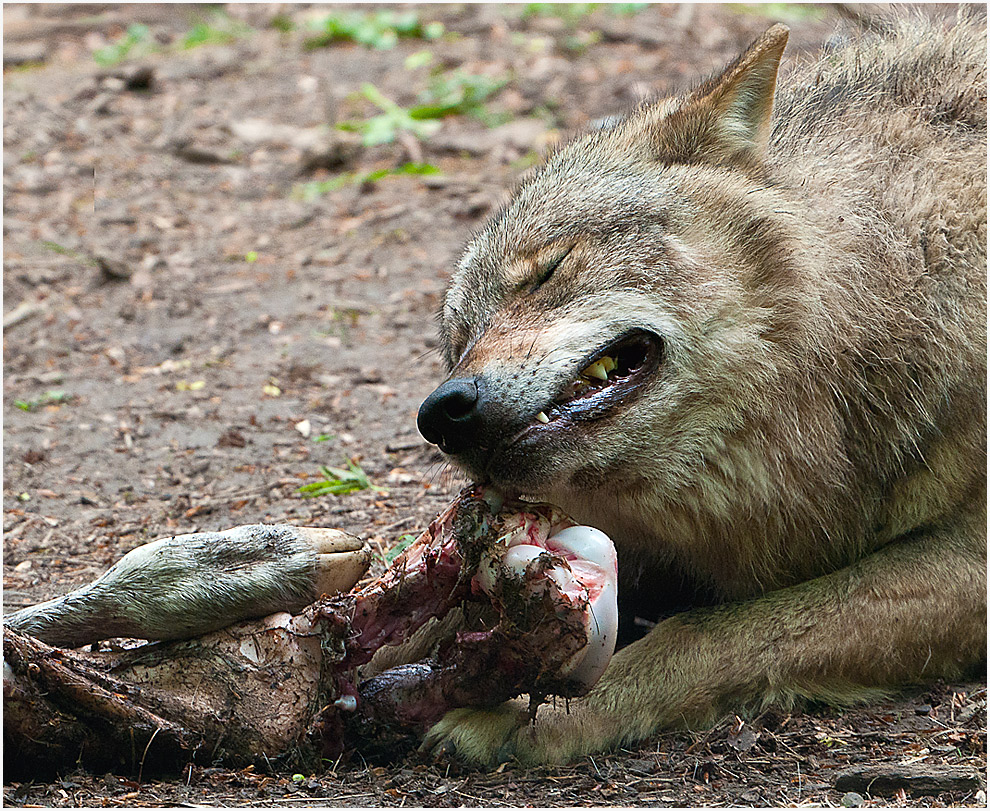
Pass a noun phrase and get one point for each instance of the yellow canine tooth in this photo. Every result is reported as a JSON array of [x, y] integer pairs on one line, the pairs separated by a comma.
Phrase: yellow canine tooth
[[541, 417], [596, 370], [609, 363]]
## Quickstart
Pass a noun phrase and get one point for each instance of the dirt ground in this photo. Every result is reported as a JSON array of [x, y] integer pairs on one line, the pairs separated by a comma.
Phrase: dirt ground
[[209, 294]]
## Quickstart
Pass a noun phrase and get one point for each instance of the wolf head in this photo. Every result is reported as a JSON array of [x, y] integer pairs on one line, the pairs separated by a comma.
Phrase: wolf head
[[607, 326]]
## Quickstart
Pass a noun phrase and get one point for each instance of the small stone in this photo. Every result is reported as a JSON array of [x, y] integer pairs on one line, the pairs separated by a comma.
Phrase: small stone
[[113, 269], [138, 77], [231, 438], [852, 800], [326, 149], [100, 105], [116, 355], [256, 131], [112, 84], [193, 153], [128, 77]]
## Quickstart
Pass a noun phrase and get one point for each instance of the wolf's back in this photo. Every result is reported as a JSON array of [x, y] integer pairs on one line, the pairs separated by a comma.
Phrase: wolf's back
[[940, 75], [893, 128]]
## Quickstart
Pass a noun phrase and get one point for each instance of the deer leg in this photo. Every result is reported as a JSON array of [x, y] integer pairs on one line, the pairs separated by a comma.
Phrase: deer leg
[[188, 585]]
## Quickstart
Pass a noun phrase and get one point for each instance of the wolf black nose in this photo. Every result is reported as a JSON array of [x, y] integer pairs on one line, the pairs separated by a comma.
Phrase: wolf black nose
[[450, 416]]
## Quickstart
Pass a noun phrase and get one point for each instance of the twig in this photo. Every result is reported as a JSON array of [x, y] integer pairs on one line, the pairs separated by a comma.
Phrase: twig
[[325, 799], [145, 753], [22, 312], [412, 146], [396, 524]]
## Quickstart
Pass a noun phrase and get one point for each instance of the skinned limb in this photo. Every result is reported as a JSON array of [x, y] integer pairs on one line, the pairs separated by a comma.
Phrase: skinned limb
[[914, 610], [245, 693]]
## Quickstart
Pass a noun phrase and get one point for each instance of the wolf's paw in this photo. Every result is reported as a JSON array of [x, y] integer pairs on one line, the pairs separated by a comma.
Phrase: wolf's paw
[[488, 737], [477, 737]]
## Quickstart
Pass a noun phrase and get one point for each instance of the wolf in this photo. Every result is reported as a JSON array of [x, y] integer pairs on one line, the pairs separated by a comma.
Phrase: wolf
[[743, 332]]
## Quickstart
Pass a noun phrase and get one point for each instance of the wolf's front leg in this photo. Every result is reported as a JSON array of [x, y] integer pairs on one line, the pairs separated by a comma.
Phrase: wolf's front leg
[[188, 585], [913, 610]]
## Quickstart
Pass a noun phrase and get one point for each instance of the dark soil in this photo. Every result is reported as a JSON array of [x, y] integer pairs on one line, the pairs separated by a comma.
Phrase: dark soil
[[182, 325]]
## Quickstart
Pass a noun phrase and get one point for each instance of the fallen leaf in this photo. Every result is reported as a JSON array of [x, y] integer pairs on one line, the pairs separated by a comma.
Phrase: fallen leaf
[[743, 739]]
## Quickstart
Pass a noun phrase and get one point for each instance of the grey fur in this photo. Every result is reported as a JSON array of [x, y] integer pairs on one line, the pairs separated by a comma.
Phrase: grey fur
[[181, 587]]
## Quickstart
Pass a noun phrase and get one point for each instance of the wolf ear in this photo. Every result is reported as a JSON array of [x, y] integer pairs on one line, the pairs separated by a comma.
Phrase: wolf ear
[[727, 119]]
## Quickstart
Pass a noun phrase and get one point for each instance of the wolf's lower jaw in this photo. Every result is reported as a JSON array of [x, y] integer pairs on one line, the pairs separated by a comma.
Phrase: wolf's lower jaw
[[610, 377]]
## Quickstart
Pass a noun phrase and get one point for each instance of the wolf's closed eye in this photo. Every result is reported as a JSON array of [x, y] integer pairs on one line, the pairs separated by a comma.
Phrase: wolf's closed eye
[[547, 271]]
